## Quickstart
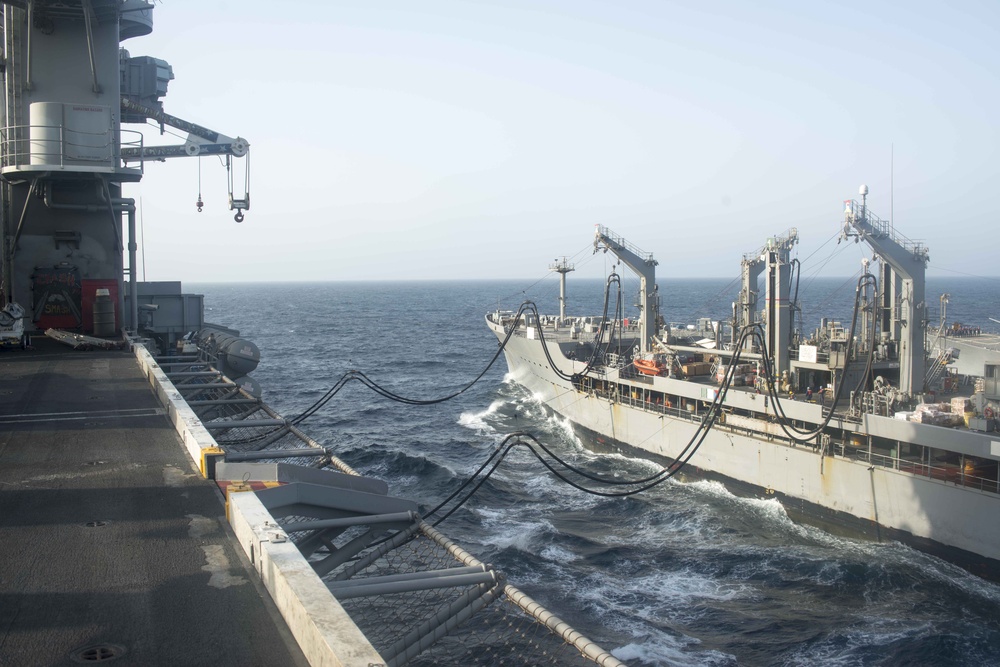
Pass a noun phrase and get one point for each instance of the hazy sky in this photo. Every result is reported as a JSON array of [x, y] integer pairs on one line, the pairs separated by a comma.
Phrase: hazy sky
[[455, 140]]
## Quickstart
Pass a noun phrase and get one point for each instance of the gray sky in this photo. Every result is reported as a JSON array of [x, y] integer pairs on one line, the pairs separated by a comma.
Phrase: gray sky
[[454, 140]]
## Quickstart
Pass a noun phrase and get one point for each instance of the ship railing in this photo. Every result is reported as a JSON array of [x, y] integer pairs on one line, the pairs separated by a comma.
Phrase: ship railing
[[858, 351], [958, 474], [957, 330], [872, 403], [821, 357], [567, 329], [620, 241], [955, 474], [690, 415], [775, 242], [38, 147], [649, 406], [553, 334], [857, 211], [614, 360]]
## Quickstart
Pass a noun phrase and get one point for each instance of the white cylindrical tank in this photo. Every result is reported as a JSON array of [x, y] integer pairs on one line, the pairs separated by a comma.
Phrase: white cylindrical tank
[[70, 134], [45, 132]]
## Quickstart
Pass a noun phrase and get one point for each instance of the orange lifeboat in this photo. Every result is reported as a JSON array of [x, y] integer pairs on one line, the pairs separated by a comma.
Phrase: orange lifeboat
[[649, 366]]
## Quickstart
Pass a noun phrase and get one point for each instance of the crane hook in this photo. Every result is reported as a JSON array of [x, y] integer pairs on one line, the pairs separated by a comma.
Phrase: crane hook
[[199, 203], [239, 216]]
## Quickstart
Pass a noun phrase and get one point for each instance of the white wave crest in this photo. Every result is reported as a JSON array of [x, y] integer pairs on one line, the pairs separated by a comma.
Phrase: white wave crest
[[767, 508], [564, 427], [558, 554], [476, 421], [650, 598], [663, 649], [846, 647], [506, 531]]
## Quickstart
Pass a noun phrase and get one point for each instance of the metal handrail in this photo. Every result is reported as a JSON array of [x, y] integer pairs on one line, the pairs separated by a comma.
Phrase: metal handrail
[[853, 210], [621, 242], [950, 475], [776, 241], [22, 144]]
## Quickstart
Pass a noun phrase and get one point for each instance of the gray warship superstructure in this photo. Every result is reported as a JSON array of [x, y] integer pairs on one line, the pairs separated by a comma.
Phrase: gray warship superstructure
[[853, 427], [121, 450]]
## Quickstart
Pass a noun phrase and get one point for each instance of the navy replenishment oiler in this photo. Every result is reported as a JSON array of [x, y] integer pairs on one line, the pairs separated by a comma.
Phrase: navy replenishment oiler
[[127, 423], [892, 436]]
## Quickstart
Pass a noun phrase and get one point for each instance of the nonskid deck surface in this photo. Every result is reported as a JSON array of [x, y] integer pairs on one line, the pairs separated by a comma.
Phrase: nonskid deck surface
[[110, 542]]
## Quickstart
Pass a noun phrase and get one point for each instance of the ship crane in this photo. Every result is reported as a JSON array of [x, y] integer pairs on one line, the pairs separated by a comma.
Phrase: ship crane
[[643, 264], [903, 283], [200, 141], [775, 257]]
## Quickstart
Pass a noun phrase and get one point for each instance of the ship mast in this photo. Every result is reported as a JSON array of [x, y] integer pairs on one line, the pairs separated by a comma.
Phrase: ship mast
[[562, 268], [643, 264]]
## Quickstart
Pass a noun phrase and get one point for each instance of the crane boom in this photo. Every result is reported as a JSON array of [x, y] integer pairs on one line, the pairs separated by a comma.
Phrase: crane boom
[[200, 141], [908, 262], [238, 146], [182, 150], [643, 264]]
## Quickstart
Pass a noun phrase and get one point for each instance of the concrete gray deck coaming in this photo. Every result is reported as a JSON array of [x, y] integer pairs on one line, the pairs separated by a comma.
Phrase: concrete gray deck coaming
[[108, 536]]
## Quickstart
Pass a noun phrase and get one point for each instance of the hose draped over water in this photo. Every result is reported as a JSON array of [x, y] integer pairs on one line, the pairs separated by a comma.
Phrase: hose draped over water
[[566, 472]]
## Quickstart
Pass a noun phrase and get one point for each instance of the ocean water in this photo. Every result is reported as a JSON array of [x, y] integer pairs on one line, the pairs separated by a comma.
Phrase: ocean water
[[684, 574]]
